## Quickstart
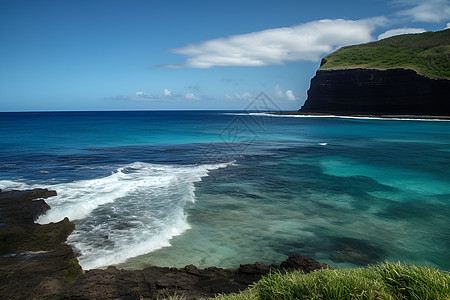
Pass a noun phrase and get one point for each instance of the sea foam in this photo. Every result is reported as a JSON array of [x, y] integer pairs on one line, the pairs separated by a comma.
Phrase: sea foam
[[135, 210]]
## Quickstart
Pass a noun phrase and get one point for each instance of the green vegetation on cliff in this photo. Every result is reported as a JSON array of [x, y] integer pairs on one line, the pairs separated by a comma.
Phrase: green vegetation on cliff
[[427, 53], [381, 281]]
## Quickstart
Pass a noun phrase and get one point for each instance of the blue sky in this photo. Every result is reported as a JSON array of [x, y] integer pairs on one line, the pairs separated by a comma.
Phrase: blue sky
[[135, 54]]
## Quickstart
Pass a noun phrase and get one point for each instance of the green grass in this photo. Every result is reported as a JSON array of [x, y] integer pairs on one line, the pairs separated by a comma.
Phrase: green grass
[[383, 281], [427, 53], [72, 270]]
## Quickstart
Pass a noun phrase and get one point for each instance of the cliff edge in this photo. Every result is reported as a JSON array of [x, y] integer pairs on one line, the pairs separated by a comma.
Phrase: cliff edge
[[371, 91], [401, 75]]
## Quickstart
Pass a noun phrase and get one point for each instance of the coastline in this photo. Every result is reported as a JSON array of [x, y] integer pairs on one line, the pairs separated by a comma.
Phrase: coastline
[[358, 116], [36, 262]]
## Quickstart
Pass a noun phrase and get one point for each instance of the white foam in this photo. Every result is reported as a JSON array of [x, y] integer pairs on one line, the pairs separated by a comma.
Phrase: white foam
[[126, 244], [133, 211], [8, 185], [332, 116], [237, 114], [78, 199], [350, 117], [292, 116]]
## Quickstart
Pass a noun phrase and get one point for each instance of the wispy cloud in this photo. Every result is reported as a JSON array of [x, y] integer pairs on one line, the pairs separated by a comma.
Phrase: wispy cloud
[[138, 96], [191, 96], [307, 42], [399, 31], [278, 91], [283, 95], [290, 95], [167, 95], [432, 11], [167, 92], [242, 96]]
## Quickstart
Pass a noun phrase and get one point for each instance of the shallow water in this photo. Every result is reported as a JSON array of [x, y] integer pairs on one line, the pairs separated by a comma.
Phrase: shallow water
[[224, 188]]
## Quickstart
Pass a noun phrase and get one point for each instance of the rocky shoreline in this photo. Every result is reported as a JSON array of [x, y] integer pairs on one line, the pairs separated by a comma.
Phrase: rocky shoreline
[[36, 263]]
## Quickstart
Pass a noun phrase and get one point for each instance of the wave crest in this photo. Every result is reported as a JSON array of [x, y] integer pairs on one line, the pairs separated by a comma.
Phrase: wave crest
[[133, 211]]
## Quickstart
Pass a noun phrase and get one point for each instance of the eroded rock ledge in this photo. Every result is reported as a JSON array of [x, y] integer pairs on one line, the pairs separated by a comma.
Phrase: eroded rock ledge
[[377, 92], [194, 283], [35, 263]]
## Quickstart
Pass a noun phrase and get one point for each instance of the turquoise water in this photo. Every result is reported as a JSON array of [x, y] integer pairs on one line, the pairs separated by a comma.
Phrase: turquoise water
[[225, 188]]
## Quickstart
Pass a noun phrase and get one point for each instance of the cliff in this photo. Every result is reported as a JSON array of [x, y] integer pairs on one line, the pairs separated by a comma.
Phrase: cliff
[[371, 91], [401, 75]]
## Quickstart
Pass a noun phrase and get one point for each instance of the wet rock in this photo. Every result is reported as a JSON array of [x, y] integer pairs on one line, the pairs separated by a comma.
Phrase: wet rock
[[307, 265], [254, 269], [191, 269], [35, 262], [23, 207], [37, 208], [191, 282]]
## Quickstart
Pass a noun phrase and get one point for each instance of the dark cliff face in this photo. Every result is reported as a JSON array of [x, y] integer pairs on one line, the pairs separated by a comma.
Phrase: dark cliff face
[[370, 91]]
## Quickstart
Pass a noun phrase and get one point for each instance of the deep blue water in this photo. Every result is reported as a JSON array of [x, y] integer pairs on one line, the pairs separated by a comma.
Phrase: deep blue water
[[224, 188]]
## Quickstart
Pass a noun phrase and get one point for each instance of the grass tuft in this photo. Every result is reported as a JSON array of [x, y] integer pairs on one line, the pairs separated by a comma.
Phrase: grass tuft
[[394, 281], [413, 282]]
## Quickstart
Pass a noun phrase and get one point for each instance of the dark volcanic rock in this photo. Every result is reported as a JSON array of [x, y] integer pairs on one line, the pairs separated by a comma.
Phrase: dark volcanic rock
[[18, 210], [35, 263], [23, 207], [370, 91], [193, 283], [36, 275], [306, 265]]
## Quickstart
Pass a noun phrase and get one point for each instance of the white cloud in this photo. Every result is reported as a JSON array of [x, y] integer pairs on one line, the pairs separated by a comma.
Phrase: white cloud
[[191, 96], [167, 92], [433, 11], [138, 96], [399, 31], [237, 96], [246, 95], [306, 42], [448, 26], [278, 91], [290, 95], [141, 96]]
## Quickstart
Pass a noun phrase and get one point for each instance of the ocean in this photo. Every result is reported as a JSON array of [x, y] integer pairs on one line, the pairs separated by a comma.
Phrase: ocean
[[223, 188]]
